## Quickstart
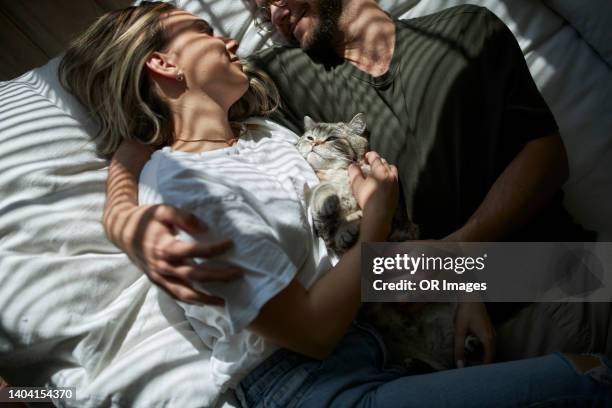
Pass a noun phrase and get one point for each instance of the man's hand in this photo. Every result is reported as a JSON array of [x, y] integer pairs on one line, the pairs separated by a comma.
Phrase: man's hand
[[149, 239], [473, 318], [147, 233]]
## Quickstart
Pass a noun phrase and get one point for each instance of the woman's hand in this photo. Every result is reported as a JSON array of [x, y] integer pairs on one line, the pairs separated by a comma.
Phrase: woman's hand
[[377, 194], [473, 318]]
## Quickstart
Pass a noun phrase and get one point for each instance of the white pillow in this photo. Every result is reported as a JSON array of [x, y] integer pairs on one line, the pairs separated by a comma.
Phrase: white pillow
[[591, 19]]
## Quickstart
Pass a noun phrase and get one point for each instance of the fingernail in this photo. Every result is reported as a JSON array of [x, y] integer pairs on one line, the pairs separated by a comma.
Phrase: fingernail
[[460, 364]]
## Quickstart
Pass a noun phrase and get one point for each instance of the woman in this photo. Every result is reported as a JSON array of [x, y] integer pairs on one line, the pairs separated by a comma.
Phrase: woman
[[159, 75]]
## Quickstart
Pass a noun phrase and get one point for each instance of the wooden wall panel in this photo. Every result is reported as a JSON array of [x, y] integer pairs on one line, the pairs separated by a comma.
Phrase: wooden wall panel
[[33, 31]]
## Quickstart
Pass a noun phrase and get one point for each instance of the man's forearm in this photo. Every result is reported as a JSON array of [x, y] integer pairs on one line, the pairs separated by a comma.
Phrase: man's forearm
[[122, 187], [519, 193]]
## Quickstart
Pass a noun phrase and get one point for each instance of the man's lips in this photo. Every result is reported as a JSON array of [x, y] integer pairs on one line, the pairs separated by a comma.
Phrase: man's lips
[[295, 23]]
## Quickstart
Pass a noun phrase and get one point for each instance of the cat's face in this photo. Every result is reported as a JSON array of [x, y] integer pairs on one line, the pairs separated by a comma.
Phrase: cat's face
[[333, 145]]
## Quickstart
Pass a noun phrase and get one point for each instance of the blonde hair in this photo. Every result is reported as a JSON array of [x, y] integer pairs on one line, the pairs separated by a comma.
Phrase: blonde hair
[[105, 69]]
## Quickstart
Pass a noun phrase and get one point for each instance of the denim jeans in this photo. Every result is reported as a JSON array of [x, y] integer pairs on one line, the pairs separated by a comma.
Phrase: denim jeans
[[354, 376]]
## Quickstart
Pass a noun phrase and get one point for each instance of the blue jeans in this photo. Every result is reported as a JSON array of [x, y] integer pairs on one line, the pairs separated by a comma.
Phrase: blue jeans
[[354, 376]]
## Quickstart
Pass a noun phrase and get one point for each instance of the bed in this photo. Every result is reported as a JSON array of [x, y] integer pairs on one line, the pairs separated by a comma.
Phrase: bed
[[74, 312]]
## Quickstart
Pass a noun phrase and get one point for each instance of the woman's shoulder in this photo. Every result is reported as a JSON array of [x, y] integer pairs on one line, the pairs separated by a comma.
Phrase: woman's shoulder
[[181, 178], [260, 127]]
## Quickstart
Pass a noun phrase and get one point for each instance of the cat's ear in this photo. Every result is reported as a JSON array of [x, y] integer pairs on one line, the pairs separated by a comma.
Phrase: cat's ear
[[309, 123], [358, 124]]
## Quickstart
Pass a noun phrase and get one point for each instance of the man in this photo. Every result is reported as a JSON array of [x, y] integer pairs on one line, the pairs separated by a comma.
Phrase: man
[[450, 101], [448, 98]]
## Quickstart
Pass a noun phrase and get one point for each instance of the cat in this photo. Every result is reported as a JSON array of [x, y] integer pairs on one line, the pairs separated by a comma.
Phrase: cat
[[422, 340], [330, 148]]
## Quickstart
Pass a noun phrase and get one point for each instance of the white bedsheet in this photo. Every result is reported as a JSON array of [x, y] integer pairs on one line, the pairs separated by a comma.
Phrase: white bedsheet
[[75, 312]]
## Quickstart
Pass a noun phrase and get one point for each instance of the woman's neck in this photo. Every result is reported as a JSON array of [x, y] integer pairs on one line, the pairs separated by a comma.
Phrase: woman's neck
[[201, 125]]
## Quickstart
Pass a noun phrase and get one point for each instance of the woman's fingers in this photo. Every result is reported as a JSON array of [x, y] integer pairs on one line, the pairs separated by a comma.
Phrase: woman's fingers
[[355, 173], [372, 157], [379, 165]]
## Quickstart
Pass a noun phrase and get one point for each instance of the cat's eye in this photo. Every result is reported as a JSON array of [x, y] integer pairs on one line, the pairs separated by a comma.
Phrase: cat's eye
[[309, 138], [331, 138]]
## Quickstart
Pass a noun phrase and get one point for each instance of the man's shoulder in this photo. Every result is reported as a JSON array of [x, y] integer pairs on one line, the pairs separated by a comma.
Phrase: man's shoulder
[[466, 26], [462, 15]]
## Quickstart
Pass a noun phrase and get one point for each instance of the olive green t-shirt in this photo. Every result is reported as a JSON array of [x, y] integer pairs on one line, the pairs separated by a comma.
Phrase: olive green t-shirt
[[455, 107]]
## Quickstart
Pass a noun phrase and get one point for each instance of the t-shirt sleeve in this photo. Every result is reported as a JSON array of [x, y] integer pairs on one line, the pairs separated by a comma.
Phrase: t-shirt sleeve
[[525, 113], [266, 267]]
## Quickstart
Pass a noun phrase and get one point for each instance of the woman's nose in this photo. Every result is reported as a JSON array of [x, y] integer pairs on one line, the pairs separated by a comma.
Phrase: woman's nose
[[231, 45]]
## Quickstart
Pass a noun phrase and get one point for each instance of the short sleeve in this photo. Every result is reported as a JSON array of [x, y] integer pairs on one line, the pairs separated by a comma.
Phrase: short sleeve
[[525, 113], [267, 269]]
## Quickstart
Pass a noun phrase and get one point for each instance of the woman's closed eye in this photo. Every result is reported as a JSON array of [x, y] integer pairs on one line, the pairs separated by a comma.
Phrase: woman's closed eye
[[203, 27]]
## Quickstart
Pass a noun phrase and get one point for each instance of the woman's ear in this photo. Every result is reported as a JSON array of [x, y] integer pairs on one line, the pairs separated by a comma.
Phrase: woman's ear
[[161, 64]]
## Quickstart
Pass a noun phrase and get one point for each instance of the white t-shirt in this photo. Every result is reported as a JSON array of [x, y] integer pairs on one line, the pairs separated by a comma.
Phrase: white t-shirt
[[252, 193]]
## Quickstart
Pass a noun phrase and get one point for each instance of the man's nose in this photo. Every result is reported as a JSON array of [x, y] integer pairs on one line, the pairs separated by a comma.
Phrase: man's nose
[[278, 14]]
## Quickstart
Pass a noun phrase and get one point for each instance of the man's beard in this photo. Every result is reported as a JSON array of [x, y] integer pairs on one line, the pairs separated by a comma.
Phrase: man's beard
[[321, 43]]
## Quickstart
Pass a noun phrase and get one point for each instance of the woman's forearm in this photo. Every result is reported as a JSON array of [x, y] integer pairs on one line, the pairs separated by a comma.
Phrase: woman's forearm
[[122, 189], [313, 321]]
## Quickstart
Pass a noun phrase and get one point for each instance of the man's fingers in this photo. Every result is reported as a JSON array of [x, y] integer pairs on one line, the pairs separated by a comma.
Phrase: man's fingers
[[488, 343], [460, 348], [182, 291], [175, 217], [219, 273], [178, 249], [199, 272]]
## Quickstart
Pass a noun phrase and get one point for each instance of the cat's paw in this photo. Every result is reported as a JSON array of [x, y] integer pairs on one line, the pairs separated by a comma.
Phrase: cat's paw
[[325, 202], [346, 236], [325, 206]]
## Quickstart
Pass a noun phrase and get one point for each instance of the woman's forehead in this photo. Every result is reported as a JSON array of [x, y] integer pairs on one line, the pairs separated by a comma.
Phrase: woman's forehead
[[178, 21]]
